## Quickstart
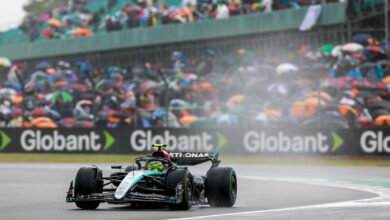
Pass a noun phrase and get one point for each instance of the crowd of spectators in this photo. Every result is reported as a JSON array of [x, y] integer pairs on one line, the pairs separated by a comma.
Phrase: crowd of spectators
[[331, 86], [78, 19]]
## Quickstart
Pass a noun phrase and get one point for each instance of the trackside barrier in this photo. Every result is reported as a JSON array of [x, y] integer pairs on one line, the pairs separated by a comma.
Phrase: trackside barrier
[[229, 141]]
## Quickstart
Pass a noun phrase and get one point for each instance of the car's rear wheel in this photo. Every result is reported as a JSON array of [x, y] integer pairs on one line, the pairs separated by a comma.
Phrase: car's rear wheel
[[221, 187], [88, 181], [175, 178]]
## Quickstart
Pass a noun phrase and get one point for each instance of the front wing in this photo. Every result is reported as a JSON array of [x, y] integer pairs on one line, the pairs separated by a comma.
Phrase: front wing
[[108, 196]]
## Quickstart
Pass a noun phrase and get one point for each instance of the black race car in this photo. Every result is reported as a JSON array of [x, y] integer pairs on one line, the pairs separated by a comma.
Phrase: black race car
[[161, 178]]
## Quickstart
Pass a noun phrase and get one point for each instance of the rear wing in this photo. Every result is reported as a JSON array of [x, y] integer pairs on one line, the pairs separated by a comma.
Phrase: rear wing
[[194, 158]]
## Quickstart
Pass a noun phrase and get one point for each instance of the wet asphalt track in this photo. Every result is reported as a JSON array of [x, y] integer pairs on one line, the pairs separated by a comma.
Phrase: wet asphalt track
[[37, 191]]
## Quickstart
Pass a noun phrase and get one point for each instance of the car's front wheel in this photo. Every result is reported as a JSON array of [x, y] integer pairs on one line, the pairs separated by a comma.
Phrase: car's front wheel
[[173, 179], [88, 181], [221, 187]]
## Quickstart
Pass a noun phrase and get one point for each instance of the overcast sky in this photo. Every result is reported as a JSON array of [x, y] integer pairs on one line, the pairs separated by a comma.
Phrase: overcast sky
[[11, 11]]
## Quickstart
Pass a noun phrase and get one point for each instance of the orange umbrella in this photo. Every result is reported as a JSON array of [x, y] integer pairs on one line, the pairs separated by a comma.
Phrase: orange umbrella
[[386, 80], [44, 122], [17, 100], [187, 120], [54, 22], [206, 86], [300, 110], [273, 113], [236, 99], [83, 32], [314, 102], [344, 110], [323, 95], [383, 120]]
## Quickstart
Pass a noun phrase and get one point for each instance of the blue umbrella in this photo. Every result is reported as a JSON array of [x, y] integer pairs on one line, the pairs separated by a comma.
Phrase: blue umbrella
[[361, 38], [43, 66]]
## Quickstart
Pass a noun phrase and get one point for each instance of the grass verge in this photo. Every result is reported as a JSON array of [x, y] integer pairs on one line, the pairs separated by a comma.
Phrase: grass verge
[[271, 160]]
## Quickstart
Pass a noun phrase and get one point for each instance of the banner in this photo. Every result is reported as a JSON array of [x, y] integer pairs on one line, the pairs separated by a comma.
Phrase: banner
[[311, 18], [227, 141]]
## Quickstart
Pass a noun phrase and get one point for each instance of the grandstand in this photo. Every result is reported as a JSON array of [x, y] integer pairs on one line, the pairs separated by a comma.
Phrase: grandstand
[[190, 75]]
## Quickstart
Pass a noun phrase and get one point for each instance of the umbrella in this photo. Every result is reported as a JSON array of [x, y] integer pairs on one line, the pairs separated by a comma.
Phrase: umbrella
[[60, 83], [7, 93], [43, 66], [84, 102], [66, 97], [299, 110], [346, 110], [336, 52], [5, 62], [149, 85], [361, 38], [352, 47], [17, 100], [236, 99], [44, 122], [315, 102], [38, 75], [286, 68], [190, 76], [54, 22], [80, 87], [322, 95], [187, 120], [106, 84], [383, 120], [207, 87], [83, 32], [70, 122], [386, 80], [327, 48], [278, 89]]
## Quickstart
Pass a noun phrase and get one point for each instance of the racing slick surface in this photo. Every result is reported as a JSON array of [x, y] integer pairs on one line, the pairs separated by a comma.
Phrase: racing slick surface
[[37, 191]]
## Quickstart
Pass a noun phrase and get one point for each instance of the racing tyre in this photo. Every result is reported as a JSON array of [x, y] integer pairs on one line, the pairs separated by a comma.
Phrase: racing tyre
[[221, 187], [174, 178], [88, 181]]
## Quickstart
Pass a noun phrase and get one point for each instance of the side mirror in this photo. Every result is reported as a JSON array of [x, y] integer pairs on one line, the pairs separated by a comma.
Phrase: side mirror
[[116, 167]]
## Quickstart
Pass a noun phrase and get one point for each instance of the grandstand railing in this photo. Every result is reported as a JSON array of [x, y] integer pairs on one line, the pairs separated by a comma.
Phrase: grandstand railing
[[147, 38]]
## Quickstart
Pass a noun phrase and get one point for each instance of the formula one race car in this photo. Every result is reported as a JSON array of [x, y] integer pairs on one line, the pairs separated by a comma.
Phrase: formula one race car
[[162, 178]]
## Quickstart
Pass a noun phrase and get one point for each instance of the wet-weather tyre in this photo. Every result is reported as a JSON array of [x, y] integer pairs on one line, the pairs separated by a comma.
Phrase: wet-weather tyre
[[221, 187], [181, 176], [88, 181]]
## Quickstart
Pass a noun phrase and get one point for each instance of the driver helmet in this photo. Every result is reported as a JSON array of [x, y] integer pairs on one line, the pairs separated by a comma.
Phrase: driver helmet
[[155, 166]]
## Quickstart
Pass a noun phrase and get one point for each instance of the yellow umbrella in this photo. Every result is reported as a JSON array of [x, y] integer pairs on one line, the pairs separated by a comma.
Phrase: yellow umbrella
[[5, 62]]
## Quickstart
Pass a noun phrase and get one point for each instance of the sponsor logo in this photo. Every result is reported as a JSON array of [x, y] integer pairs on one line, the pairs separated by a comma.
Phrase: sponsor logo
[[189, 155], [281, 143], [142, 140], [35, 140], [375, 142], [5, 140]]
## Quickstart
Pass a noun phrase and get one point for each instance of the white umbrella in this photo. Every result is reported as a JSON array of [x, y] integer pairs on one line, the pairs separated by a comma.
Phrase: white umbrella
[[352, 47], [336, 52], [286, 68], [7, 93]]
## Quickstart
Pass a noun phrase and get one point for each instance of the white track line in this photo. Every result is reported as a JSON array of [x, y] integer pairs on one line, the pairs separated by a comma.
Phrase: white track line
[[319, 182]]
